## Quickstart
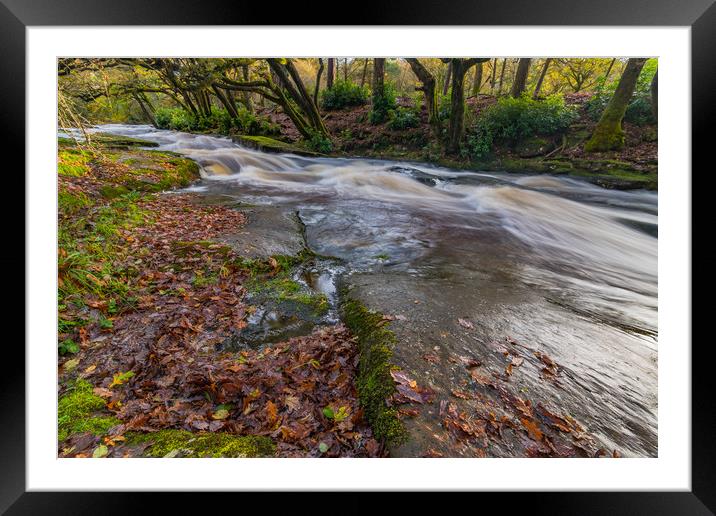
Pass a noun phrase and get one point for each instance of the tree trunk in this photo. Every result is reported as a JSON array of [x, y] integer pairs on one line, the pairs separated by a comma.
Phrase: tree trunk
[[246, 95], [345, 70], [477, 81], [378, 88], [456, 128], [655, 96], [230, 108], [365, 70], [520, 82], [317, 88], [147, 110], [502, 75], [457, 107], [428, 89], [542, 75], [330, 73], [494, 76], [609, 70], [446, 84], [609, 133]]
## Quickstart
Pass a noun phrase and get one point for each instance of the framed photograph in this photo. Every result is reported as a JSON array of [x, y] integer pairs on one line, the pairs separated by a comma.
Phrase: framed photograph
[[411, 241]]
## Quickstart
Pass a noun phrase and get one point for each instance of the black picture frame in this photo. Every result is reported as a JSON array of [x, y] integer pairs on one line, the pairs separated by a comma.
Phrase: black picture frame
[[16, 15]]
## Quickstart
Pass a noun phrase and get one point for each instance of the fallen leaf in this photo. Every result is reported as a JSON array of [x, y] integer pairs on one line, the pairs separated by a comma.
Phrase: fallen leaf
[[100, 451], [465, 324]]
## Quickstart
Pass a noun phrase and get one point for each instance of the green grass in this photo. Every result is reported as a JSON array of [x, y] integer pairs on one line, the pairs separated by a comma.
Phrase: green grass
[[89, 247]]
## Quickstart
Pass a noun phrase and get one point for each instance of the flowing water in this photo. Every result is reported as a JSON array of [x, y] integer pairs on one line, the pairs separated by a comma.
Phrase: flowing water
[[564, 266]]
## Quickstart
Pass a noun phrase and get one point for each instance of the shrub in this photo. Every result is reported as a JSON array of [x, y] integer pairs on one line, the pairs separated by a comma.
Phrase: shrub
[[320, 143], [343, 94], [382, 105], [402, 118], [511, 120], [220, 121], [444, 105]]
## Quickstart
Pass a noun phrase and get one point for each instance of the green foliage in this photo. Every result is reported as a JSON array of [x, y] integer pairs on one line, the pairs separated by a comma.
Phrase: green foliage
[[383, 104], [252, 125], [511, 120], [638, 111], [77, 412], [343, 94], [219, 121], [402, 118], [88, 248], [320, 143], [444, 106], [68, 346]]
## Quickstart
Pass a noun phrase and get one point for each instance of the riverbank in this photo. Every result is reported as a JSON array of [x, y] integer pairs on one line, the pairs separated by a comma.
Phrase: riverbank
[[634, 167], [152, 305]]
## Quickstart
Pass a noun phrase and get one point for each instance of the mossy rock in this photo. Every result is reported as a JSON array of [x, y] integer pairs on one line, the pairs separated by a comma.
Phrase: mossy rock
[[374, 383], [181, 443], [533, 146], [120, 142], [265, 144]]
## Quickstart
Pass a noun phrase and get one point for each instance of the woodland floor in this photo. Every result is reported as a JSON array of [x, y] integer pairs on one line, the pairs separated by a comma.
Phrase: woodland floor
[[146, 296]]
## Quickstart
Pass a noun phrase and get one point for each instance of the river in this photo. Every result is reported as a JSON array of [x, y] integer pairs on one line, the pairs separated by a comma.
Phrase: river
[[565, 268]]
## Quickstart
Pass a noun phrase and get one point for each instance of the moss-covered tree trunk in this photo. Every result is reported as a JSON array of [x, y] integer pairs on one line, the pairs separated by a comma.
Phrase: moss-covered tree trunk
[[609, 133], [456, 128], [246, 97], [378, 77], [428, 88], [655, 96], [502, 76], [477, 82], [317, 87], [448, 75], [520, 82], [378, 104]]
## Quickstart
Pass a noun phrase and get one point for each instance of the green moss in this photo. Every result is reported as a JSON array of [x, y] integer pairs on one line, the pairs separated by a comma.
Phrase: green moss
[[115, 141], [69, 203], [374, 382], [606, 137], [171, 173], [266, 144], [77, 412], [112, 192], [73, 162], [215, 445]]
